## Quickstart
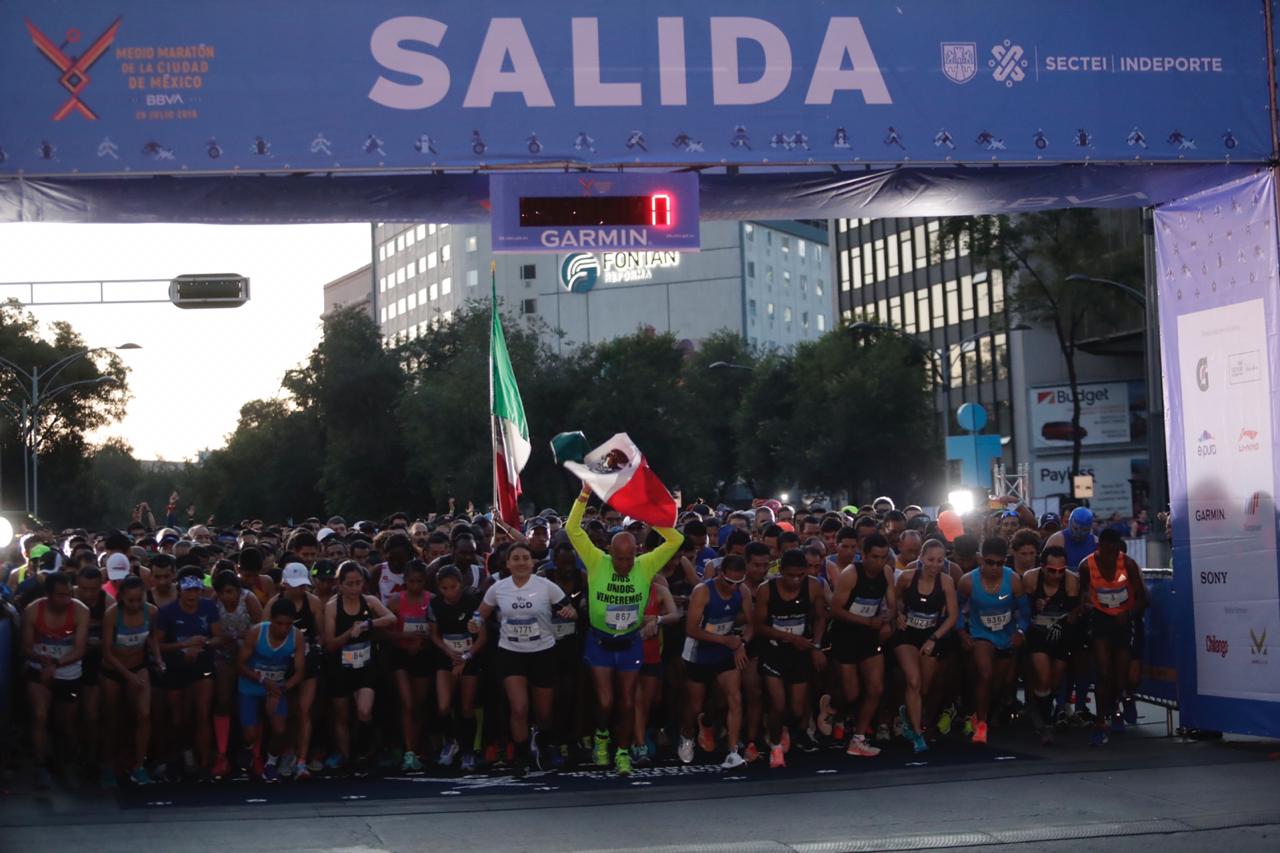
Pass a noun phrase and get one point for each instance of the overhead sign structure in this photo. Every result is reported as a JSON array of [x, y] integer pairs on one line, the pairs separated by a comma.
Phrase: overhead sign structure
[[132, 86], [594, 212], [215, 290]]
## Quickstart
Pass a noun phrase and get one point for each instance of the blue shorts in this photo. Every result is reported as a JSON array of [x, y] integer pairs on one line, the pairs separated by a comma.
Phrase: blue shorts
[[622, 653], [249, 706]]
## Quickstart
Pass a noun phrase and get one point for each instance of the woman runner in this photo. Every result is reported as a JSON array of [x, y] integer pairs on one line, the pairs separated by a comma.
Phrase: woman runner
[[458, 665], [412, 658], [927, 613], [128, 643]]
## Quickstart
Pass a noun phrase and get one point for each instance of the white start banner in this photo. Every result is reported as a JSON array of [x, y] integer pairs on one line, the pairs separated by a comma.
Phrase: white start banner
[[1104, 414]]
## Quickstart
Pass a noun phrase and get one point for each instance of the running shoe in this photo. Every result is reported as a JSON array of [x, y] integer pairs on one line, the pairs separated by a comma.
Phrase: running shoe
[[221, 766], [883, 734], [685, 751], [491, 754], [555, 758], [139, 776], [288, 764], [904, 724], [188, 760], [519, 769], [315, 765], [43, 780], [785, 743], [945, 719], [899, 730], [1131, 711], [979, 732], [447, 754], [1099, 737], [600, 750], [640, 756], [751, 754], [1117, 725], [858, 746], [301, 773], [732, 761], [468, 763], [108, 778], [706, 735], [918, 743], [333, 762], [271, 771], [826, 715], [969, 724], [622, 762], [837, 731], [777, 757], [1085, 715], [805, 742], [410, 763]]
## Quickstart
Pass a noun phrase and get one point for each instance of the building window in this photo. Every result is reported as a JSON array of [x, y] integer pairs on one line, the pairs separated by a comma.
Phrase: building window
[[473, 278], [382, 284], [953, 302], [804, 319], [421, 231], [400, 303], [471, 243], [768, 277], [413, 301], [422, 264], [804, 285], [382, 253], [786, 280], [818, 288], [529, 272], [786, 246], [786, 314], [383, 313], [431, 260], [922, 314], [434, 292], [444, 253], [750, 231], [446, 286], [768, 309], [400, 276], [751, 269], [817, 254], [422, 296], [431, 228], [390, 246], [800, 248], [528, 306], [922, 248], [409, 239], [909, 312], [400, 242], [448, 315], [822, 322], [410, 271], [751, 308]]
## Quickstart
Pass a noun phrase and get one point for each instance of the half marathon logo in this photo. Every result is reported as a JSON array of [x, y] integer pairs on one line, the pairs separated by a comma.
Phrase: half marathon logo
[[580, 271]]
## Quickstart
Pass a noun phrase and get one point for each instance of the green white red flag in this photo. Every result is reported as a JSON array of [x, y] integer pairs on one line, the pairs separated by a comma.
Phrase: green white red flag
[[511, 446]]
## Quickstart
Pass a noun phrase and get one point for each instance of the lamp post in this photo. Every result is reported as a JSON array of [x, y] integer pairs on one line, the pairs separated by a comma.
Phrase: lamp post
[[39, 389], [1157, 486], [728, 365]]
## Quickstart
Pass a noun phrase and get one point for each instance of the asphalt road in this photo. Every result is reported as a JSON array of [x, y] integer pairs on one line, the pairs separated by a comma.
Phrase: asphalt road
[[1138, 792]]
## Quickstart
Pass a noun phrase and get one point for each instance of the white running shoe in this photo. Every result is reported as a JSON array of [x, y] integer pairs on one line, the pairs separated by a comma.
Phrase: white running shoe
[[685, 750], [732, 761]]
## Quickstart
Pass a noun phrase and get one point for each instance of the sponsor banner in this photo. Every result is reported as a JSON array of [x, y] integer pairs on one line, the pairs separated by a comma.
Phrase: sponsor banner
[[1110, 413], [1113, 478], [130, 86], [1218, 290]]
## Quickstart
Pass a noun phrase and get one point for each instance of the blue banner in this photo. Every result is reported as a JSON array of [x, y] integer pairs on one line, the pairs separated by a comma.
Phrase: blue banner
[[1220, 338], [1160, 652], [129, 86]]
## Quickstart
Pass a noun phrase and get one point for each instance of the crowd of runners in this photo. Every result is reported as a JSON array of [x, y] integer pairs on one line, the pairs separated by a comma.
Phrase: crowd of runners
[[736, 637]]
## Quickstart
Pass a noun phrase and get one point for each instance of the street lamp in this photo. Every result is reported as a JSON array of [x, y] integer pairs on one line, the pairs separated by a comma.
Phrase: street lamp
[[728, 365], [36, 396]]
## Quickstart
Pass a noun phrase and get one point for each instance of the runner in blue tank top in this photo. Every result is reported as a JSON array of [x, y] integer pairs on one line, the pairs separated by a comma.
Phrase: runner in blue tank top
[[996, 619], [272, 661], [714, 652]]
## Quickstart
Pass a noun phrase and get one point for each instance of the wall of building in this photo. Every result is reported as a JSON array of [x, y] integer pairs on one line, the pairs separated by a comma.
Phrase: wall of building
[[354, 288]]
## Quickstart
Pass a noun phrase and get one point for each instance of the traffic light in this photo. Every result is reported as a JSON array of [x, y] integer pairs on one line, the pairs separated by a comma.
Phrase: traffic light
[[210, 290]]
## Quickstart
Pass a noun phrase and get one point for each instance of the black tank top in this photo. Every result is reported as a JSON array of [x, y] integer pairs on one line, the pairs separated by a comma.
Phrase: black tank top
[[925, 612], [343, 621], [1055, 606], [95, 616], [790, 616], [453, 618], [305, 621]]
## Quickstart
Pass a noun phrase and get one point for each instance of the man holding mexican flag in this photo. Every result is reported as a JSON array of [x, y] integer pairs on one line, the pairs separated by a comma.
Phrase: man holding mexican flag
[[618, 582]]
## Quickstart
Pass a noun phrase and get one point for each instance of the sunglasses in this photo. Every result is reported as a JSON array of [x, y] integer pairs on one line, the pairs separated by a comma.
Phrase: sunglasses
[[993, 562]]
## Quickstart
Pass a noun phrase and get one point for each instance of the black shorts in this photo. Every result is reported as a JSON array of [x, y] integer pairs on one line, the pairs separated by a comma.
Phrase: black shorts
[[916, 638], [117, 677], [182, 677], [706, 673], [1068, 641], [63, 690], [538, 667], [757, 647], [92, 668], [343, 681], [421, 665], [789, 664], [853, 645], [1116, 631]]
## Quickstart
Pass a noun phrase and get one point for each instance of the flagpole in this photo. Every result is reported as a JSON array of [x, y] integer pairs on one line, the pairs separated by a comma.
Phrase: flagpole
[[493, 418]]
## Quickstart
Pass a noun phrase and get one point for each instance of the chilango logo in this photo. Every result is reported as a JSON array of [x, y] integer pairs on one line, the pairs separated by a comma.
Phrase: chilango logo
[[1215, 645]]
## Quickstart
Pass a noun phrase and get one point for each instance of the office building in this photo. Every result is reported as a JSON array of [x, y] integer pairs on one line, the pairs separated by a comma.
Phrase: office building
[[353, 289]]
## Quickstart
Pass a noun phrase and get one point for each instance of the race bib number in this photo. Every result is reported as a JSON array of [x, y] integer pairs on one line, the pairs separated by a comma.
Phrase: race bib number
[[415, 626], [922, 621], [563, 629], [132, 640], [1115, 597], [793, 625], [355, 657], [460, 643], [720, 629], [995, 621], [867, 607], [275, 675], [1047, 620], [51, 650], [521, 631], [621, 617]]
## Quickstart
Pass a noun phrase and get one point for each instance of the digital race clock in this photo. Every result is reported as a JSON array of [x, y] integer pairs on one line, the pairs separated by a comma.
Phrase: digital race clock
[[593, 212]]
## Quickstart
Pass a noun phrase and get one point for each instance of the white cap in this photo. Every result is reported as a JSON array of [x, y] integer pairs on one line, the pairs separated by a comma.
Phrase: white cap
[[296, 574], [325, 533], [118, 567]]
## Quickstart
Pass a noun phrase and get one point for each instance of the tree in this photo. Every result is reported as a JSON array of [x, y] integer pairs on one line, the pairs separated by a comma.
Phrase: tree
[[1036, 252], [706, 454]]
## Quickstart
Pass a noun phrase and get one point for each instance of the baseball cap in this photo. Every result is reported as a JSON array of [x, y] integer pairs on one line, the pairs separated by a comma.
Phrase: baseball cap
[[117, 567], [325, 569], [38, 551], [1050, 518], [325, 533], [295, 574], [538, 521], [190, 582], [167, 536]]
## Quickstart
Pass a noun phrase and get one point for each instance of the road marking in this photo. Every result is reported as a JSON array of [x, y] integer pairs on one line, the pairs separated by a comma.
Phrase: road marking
[[827, 771], [354, 797], [450, 793], [1006, 758], [916, 764], [161, 803], [255, 800], [637, 784]]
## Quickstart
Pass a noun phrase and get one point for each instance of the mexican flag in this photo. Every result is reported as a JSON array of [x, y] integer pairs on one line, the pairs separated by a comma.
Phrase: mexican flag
[[511, 446], [617, 472]]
